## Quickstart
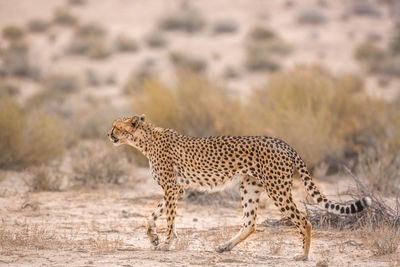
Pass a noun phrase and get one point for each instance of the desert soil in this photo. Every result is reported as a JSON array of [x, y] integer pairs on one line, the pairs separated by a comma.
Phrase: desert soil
[[105, 227]]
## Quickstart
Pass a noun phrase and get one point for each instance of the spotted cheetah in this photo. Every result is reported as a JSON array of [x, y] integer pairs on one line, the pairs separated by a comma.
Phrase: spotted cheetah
[[263, 163]]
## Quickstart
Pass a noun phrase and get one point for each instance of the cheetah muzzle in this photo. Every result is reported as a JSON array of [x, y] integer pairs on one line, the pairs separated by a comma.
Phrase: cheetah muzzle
[[264, 164]]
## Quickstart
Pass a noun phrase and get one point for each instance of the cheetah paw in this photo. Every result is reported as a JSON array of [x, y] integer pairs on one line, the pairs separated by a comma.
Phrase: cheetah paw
[[162, 247], [155, 240], [223, 248], [301, 258]]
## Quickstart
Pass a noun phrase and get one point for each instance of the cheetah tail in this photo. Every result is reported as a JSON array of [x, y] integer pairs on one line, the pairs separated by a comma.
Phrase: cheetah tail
[[314, 192]]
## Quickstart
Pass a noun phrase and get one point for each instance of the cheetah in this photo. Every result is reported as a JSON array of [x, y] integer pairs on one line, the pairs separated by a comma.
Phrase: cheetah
[[262, 163]]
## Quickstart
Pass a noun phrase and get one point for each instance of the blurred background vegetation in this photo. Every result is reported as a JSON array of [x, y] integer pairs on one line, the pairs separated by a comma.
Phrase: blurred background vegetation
[[322, 75]]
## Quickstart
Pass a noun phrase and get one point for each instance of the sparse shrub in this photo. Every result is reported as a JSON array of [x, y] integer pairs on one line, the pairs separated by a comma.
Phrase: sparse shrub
[[16, 61], [44, 179], [257, 60], [156, 40], [394, 47], [187, 62], [264, 50], [369, 53], [260, 33], [225, 26], [62, 16], [136, 80], [310, 109], [61, 82], [126, 44], [76, 2], [383, 240], [231, 72], [311, 16], [89, 40], [7, 88], [187, 20], [365, 8], [13, 33], [38, 25], [100, 163], [92, 78], [194, 106], [27, 137], [377, 59]]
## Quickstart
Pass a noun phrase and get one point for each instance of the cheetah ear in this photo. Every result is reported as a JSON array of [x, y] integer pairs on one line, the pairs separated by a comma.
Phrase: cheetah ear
[[142, 117]]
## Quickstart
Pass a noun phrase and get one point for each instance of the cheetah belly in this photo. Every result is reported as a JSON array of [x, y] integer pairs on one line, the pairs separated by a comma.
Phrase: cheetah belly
[[206, 180]]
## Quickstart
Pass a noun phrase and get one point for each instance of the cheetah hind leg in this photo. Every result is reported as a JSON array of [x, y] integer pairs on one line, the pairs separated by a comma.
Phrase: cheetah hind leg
[[250, 191]]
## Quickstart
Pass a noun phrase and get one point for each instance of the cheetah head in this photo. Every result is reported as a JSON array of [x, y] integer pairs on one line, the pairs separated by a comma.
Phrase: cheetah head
[[127, 131]]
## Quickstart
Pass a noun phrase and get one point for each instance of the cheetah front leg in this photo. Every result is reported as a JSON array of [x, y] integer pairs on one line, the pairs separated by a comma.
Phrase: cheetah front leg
[[151, 223], [250, 191], [172, 194]]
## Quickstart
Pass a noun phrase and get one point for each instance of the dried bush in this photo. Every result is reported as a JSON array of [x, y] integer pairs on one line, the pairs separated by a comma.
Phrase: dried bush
[[76, 2], [62, 16], [225, 26], [311, 16], [126, 44], [364, 8], [89, 40], [7, 88], [187, 62], [99, 163], [156, 40], [38, 25], [193, 105], [378, 60], [61, 82], [264, 49], [136, 80], [310, 109], [383, 240], [394, 46], [13, 33], [27, 137], [186, 20], [44, 179], [17, 62], [231, 72]]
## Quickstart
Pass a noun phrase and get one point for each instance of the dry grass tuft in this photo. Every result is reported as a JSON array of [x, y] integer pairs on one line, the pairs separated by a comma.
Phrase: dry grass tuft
[[311, 110], [383, 240], [312, 16], [264, 49], [226, 26], [156, 40], [38, 25], [27, 137], [62, 16], [13, 33], [187, 62], [99, 163], [104, 244], [193, 105], [17, 62], [187, 20], [32, 236], [89, 40], [126, 44]]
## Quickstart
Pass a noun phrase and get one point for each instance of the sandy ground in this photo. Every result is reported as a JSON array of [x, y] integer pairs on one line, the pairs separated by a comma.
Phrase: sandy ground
[[105, 227]]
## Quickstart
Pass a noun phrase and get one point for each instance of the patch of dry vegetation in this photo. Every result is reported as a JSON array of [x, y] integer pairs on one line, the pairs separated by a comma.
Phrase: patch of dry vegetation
[[16, 61], [64, 17], [264, 50], [27, 136], [187, 20], [194, 105], [38, 25], [99, 163], [124, 43], [13, 33], [90, 40], [187, 62]]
